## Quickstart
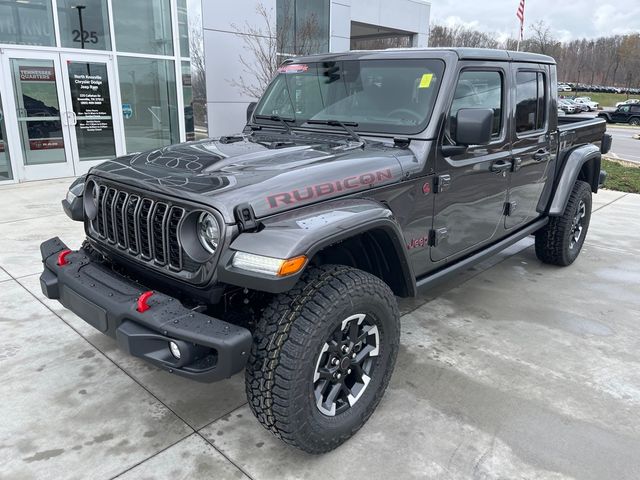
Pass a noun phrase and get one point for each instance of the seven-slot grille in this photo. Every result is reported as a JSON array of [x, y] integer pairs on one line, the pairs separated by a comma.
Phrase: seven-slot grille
[[140, 226]]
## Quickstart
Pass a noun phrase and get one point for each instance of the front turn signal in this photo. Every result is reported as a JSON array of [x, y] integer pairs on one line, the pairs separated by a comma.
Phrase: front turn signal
[[292, 266]]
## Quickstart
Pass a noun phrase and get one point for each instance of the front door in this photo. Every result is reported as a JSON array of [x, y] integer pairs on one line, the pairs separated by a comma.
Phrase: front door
[[472, 187], [61, 115]]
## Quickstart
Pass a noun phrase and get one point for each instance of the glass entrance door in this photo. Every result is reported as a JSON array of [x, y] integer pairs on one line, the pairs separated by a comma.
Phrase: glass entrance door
[[63, 112], [94, 129]]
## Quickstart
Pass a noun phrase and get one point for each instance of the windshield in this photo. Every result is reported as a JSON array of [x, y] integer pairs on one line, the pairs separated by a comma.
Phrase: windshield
[[385, 96]]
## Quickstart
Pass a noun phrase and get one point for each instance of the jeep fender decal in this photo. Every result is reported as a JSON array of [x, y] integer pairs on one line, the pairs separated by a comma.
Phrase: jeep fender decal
[[319, 190]]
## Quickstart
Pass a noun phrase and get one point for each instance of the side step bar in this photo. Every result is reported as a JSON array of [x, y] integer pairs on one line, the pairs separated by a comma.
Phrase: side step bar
[[439, 276]]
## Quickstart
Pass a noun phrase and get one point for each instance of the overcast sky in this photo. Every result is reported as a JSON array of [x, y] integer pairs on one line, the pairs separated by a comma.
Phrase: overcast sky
[[568, 19]]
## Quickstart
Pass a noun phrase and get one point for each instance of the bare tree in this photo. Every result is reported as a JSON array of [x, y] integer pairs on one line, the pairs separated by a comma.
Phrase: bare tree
[[267, 45]]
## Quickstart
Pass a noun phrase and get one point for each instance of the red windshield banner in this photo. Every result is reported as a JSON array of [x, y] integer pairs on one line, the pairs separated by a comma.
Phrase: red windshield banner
[[37, 74], [293, 68]]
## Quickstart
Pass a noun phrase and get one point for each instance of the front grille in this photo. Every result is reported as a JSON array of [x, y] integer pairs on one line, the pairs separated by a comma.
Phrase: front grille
[[142, 227]]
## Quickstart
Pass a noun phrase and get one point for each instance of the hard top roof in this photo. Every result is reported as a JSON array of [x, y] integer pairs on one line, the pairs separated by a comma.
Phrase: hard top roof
[[462, 54]]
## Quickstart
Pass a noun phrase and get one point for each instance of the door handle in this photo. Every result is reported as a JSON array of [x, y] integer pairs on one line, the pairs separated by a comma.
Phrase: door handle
[[500, 166], [541, 156]]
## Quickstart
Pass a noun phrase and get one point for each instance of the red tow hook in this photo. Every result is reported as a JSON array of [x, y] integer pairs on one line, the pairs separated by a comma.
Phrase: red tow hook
[[143, 306], [62, 258]]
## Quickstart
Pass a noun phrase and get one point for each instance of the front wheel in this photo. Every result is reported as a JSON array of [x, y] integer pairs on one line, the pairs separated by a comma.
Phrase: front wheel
[[322, 357], [561, 240]]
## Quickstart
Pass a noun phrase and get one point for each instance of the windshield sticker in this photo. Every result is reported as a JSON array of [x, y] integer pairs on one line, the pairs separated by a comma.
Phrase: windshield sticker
[[425, 82], [293, 68]]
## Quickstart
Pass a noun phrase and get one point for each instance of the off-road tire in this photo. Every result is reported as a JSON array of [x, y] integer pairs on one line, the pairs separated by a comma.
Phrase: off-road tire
[[634, 121], [287, 346], [554, 241]]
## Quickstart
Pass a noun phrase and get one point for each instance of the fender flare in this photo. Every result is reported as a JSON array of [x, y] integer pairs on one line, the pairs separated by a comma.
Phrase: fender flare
[[307, 231], [570, 171]]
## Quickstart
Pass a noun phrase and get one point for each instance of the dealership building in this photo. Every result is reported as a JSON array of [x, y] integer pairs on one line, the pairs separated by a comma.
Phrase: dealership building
[[83, 81]]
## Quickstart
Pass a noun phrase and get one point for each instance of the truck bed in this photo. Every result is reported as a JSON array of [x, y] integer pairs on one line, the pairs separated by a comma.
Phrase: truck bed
[[576, 131]]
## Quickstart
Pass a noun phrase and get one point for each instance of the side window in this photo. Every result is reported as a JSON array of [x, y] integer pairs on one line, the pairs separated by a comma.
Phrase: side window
[[625, 109], [478, 89], [635, 109], [531, 101]]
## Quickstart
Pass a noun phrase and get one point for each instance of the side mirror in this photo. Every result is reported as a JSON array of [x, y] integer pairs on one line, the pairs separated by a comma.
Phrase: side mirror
[[474, 126], [250, 109]]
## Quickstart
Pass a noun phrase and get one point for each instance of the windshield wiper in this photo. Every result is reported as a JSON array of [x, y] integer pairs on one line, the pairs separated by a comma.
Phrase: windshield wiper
[[278, 118], [337, 123]]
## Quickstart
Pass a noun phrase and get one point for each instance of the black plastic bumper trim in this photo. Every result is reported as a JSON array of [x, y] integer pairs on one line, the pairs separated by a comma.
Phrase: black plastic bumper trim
[[107, 301]]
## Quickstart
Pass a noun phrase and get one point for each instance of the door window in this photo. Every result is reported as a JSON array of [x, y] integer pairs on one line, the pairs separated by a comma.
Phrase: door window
[[91, 103], [39, 119], [5, 163], [478, 89], [530, 101]]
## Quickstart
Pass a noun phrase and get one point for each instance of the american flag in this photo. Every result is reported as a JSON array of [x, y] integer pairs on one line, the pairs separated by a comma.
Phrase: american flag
[[520, 15]]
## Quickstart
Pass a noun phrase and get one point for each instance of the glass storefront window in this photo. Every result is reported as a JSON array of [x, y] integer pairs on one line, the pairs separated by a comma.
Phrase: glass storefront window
[[149, 103], [84, 24], [38, 111], [5, 163], [183, 28], [195, 102], [27, 22], [143, 26], [303, 26]]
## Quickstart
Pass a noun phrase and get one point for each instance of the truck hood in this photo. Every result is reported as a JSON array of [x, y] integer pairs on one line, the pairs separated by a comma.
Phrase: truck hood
[[271, 172]]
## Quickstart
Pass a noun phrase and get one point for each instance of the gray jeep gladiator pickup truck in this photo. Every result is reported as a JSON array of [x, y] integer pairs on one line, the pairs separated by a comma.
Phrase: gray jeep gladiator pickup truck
[[360, 177]]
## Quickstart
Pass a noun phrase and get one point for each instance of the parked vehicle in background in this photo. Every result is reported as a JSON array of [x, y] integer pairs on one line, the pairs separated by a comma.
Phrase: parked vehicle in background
[[564, 88], [580, 107], [623, 114], [631, 101], [567, 107], [593, 106], [281, 251]]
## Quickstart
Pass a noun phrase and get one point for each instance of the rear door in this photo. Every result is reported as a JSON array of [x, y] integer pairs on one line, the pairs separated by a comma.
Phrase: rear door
[[621, 115], [472, 187], [531, 142]]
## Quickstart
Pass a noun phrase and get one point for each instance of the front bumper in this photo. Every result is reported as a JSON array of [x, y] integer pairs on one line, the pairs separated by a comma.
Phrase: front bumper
[[211, 349]]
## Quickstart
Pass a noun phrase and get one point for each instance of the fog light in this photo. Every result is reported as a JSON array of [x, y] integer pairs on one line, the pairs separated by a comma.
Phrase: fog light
[[175, 349]]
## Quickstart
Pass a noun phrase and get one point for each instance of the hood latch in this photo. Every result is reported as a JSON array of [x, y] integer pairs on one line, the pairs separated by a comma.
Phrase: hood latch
[[246, 218]]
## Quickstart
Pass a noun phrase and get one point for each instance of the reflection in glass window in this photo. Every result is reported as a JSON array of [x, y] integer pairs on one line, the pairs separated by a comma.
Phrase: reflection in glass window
[[34, 82], [84, 24], [143, 26], [5, 163], [303, 26], [26, 22], [149, 103]]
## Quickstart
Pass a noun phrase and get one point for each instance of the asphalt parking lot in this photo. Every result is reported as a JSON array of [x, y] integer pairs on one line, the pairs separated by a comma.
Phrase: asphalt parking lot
[[512, 370]]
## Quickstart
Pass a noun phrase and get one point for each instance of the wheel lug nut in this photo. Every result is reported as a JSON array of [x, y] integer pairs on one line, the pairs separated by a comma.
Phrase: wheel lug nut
[[335, 362], [353, 355], [345, 349], [348, 371], [338, 375]]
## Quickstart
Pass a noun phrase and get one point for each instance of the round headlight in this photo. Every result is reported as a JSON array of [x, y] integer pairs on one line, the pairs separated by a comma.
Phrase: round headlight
[[208, 232]]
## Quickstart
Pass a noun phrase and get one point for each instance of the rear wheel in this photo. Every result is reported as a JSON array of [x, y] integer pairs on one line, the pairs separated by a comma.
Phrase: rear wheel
[[322, 357], [635, 121], [560, 241]]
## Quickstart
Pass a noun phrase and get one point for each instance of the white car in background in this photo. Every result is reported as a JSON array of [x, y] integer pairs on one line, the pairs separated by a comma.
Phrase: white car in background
[[631, 101], [564, 88], [587, 101]]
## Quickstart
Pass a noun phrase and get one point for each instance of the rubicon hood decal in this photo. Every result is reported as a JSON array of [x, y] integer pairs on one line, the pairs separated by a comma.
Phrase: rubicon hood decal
[[272, 173]]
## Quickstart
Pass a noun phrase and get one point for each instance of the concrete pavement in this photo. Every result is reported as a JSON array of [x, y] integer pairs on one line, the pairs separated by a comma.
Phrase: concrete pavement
[[513, 370], [624, 146]]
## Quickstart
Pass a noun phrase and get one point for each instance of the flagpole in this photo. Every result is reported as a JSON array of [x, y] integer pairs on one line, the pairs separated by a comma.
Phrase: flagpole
[[520, 16]]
